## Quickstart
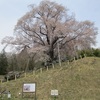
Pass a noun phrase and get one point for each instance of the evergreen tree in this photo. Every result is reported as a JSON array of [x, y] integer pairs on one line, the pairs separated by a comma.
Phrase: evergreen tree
[[3, 63]]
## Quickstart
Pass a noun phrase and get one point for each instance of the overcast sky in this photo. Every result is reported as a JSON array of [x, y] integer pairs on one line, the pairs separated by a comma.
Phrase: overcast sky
[[12, 10]]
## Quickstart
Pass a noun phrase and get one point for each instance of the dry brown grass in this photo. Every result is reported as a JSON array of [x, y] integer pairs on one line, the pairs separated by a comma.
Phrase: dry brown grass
[[79, 80]]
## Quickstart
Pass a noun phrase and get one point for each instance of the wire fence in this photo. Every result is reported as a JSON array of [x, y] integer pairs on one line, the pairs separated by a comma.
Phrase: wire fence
[[41, 69]]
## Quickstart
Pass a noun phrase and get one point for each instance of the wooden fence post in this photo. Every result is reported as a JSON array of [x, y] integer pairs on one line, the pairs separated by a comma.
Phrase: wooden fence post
[[68, 62], [7, 79], [74, 60], [84, 55], [1, 81], [33, 72], [53, 66], [25, 74], [80, 57], [47, 68], [15, 77], [41, 70]]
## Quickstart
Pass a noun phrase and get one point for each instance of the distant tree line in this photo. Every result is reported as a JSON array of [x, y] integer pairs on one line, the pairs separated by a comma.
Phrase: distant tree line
[[90, 52], [24, 62]]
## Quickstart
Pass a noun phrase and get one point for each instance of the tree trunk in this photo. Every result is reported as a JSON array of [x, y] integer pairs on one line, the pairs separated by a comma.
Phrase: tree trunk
[[51, 53]]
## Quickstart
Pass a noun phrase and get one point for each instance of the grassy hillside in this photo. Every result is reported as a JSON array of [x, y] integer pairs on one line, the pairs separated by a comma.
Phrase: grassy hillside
[[78, 80]]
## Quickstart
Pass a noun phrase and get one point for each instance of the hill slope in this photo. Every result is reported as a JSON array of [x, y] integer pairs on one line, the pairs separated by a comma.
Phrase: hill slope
[[79, 80]]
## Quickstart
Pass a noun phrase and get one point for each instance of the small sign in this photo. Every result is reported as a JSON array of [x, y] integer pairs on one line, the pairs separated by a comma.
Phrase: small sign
[[29, 87], [54, 92], [9, 95]]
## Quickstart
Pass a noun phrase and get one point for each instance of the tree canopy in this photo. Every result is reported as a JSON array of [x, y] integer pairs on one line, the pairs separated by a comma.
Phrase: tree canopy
[[46, 25]]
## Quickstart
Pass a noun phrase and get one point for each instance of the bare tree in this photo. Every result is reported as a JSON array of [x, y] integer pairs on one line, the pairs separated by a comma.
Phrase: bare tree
[[46, 25]]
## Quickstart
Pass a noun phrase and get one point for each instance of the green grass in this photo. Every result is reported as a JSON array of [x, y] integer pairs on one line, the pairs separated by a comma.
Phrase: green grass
[[78, 80]]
